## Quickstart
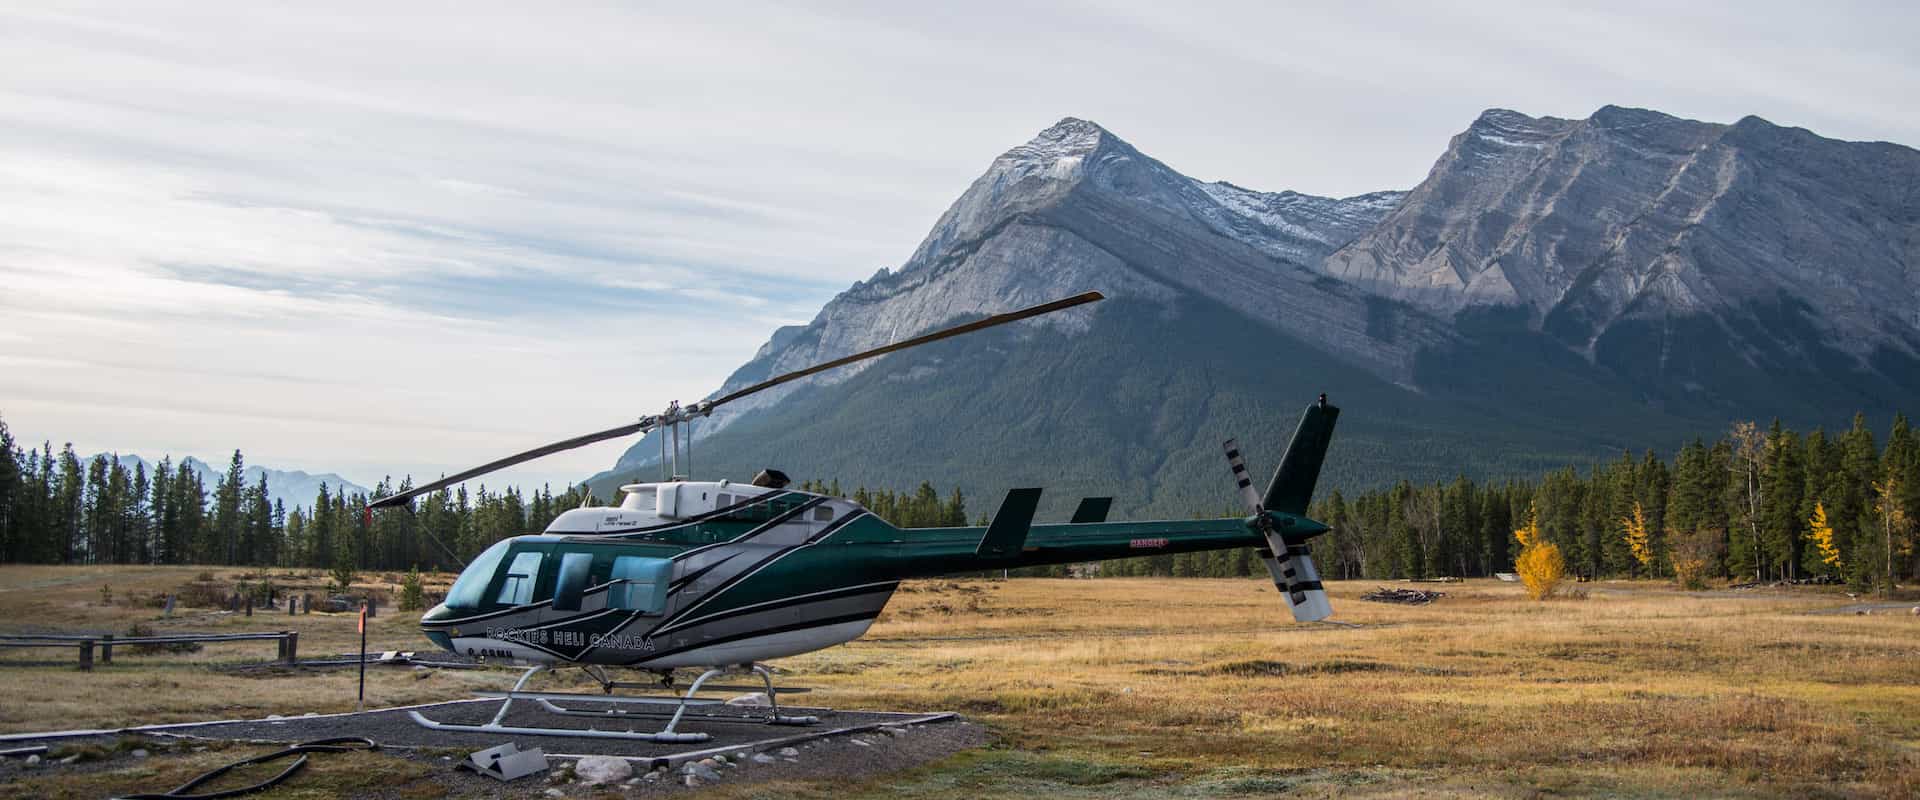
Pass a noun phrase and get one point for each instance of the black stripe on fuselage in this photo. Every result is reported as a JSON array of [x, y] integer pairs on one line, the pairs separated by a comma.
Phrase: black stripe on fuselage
[[695, 575], [798, 626], [778, 520], [786, 602], [749, 572], [699, 518], [680, 585]]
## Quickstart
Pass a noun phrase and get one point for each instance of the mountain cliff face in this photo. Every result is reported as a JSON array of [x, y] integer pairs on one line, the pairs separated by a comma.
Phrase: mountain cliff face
[[1554, 288], [1669, 251], [1076, 209]]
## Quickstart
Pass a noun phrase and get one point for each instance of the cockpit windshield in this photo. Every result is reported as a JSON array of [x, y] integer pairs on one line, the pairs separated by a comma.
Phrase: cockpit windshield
[[471, 587]]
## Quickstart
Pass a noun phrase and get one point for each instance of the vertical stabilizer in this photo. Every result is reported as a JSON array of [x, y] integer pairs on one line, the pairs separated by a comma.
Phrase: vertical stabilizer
[[1292, 486]]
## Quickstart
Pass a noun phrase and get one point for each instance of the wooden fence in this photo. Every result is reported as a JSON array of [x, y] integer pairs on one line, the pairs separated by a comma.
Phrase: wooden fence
[[289, 643]]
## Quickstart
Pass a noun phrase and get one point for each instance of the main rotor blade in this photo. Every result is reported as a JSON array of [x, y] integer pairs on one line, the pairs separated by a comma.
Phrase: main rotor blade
[[645, 424], [981, 324]]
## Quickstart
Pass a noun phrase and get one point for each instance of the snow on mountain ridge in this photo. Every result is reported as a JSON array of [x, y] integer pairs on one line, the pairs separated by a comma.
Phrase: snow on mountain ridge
[[295, 487]]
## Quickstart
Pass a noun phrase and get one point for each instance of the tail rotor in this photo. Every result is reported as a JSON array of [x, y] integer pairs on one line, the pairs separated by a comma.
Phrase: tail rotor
[[1285, 527]]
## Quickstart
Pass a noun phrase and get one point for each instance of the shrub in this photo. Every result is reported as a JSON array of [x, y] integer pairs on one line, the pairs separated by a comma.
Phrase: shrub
[[201, 594], [341, 578], [413, 593], [1693, 554], [137, 630]]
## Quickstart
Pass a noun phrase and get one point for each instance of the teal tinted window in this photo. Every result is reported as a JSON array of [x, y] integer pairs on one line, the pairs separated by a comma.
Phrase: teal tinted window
[[517, 587], [640, 584], [471, 587], [572, 581]]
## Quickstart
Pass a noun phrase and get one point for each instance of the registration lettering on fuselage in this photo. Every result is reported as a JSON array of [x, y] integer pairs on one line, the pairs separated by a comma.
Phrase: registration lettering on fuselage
[[560, 637]]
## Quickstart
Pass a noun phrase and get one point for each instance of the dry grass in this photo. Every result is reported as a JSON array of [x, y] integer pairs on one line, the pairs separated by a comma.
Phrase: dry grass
[[1136, 687]]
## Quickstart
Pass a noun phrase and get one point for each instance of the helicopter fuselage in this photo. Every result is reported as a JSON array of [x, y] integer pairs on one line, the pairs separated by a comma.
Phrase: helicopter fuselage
[[735, 574]]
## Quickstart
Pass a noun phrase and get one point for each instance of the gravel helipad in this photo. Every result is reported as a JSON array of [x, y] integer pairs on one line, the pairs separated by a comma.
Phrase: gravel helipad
[[732, 729]]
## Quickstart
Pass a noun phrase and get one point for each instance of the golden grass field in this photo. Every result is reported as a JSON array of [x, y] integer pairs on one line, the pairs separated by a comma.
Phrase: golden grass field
[[1189, 688]]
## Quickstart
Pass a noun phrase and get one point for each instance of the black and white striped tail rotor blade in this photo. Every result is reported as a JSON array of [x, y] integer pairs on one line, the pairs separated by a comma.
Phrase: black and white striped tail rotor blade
[[1291, 567], [1240, 476], [1305, 595]]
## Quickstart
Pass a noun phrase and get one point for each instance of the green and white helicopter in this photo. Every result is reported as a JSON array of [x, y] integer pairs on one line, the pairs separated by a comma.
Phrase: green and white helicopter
[[721, 576]]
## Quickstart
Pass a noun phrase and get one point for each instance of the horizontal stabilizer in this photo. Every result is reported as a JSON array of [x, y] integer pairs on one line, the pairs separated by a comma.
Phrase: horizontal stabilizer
[[1092, 509], [1007, 533]]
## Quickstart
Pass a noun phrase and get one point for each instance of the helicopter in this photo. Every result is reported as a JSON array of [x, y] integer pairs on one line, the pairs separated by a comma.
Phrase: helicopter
[[722, 576]]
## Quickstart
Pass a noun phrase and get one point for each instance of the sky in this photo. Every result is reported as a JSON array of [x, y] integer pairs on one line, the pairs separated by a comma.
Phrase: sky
[[385, 239]]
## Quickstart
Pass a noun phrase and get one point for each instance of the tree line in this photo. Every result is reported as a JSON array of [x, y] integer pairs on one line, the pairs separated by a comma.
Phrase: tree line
[[1753, 504], [58, 508]]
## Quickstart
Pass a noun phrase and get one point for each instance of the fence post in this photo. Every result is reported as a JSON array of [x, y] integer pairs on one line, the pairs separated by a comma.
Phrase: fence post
[[106, 649], [293, 647], [169, 611], [86, 656], [249, 605], [373, 607]]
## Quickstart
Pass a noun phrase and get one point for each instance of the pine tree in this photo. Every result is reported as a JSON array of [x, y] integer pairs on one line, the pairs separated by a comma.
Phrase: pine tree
[[12, 491], [70, 507], [1849, 505], [1785, 481], [229, 521]]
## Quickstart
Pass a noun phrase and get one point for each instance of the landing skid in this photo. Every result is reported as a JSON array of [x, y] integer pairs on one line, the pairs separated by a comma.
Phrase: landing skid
[[666, 735]]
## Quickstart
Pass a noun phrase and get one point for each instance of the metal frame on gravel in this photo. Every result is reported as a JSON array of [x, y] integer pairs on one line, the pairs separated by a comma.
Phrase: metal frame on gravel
[[666, 735]]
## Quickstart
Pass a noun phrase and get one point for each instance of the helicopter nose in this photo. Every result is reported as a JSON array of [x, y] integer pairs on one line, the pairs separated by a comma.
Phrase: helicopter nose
[[430, 624]]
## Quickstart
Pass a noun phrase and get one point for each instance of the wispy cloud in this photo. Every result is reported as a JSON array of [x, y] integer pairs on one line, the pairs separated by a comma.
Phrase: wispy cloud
[[376, 238]]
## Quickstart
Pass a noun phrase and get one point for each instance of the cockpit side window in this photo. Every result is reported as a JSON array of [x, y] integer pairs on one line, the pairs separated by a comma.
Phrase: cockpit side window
[[516, 587], [470, 589]]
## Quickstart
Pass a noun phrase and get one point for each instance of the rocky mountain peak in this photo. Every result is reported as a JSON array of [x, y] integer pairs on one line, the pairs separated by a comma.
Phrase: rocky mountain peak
[[1567, 268]]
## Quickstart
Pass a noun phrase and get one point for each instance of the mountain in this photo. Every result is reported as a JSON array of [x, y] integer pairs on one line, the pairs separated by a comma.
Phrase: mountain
[[1555, 290], [1703, 264], [295, 488]]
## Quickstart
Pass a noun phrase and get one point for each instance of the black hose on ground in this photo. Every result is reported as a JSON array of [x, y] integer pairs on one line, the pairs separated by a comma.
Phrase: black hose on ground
[[338, 744]]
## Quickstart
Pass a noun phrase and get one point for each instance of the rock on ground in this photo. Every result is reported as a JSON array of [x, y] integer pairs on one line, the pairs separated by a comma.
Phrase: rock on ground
[[596, 770]]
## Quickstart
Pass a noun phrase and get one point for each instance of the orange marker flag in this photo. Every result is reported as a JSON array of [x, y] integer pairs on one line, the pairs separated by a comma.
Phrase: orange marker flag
[[363, 618]]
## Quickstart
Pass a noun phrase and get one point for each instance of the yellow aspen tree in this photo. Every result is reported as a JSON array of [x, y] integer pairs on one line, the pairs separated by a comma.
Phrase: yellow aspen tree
[[1638, 542], [1540, 564], [1821, 533]]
